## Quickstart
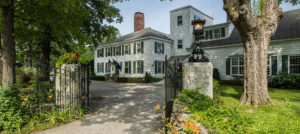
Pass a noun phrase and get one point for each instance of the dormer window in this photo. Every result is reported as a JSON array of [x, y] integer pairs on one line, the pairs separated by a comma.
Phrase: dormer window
[[215, 33]]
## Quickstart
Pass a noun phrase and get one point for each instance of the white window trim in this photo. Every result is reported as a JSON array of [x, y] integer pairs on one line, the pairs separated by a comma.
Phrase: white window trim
[[289, 64]]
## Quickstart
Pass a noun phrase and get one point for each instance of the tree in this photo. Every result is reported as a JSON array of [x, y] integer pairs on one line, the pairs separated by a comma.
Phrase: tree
[[256, 32], [62, 24], [8, 49]]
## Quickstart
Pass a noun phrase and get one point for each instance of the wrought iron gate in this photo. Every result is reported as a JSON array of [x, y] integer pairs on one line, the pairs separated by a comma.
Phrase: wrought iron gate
[[173, 83]]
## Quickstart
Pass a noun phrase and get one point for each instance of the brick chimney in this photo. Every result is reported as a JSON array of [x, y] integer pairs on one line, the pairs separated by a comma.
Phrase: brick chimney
[[139, 21]]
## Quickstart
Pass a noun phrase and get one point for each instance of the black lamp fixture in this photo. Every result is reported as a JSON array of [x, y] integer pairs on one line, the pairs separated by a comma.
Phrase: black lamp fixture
[[197, 51]]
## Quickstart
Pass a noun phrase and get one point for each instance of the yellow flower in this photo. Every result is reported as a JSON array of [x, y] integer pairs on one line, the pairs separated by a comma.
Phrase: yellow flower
[[179, 117], [25, 99], [157, 106], [50, 96], [83, 97], [51, 90], [198, 118]]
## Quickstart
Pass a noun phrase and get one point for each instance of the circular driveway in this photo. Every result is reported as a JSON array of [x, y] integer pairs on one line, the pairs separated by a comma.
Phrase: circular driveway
[[119, 108]]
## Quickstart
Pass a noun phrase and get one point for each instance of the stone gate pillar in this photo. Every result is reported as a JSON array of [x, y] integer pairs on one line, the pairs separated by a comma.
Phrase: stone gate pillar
[[71, 83], [199, 74]]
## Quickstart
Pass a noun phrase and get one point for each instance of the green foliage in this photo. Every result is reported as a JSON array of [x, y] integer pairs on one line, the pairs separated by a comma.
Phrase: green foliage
[[149, 79], [107, 77], [97, 78], [71, 58], [12, 113], [224, 120], [216, 74], [195, 101], [25, 76], [217, 92], [285, 80], [130, 80]]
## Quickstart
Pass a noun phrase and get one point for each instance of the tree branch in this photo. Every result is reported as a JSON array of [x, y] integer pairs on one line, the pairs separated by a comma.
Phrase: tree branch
[[273, 14]]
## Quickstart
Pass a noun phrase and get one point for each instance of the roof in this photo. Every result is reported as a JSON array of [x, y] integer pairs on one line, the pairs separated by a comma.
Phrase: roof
[[189, 6], [288, 27], [147, 32]]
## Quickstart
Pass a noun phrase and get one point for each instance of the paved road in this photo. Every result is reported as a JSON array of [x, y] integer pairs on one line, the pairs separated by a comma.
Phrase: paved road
[[126, 109]]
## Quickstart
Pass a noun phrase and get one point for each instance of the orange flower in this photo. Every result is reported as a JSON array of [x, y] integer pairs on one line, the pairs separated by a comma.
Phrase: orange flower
[[187, 124], [51, 90], [175, 132], [195, 129], [157, 106], [179, 117], [198, 118], [50, 96], [83, 97], [25, 99]]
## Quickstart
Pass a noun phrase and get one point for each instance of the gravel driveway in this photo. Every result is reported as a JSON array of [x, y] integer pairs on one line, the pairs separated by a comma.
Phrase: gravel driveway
[[119, 108]]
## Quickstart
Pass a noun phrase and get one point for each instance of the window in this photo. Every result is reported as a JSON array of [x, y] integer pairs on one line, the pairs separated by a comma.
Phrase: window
[[109, 52], [159, 48], [100, 52], [179, 21], [118, 50], [237, 66], [126, 49], [140, 66], [139, 48], [159, 67], [100, 67], [217, 33], [180, 46], [210, 34], [295, 64], [127, 67], [196, 17], [223, 34]]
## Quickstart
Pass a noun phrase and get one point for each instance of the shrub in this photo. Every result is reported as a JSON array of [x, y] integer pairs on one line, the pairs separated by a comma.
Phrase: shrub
[[149, 79], [12, 113], [107, 77], [285, 80], [195, 101], [130, 80], [217, 92], [216, 74], [71, 58], [97, 78]]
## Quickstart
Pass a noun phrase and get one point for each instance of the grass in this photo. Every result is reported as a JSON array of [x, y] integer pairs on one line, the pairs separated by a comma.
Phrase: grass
[[231, 95]]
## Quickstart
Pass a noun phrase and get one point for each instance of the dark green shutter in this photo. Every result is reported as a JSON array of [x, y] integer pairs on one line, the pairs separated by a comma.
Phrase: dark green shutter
[[285, 63], [142, 66], [102, 52], [122, 49], [142, 47], [105, 67], [227, 66], [105, 52], [274, 65], [163, 69], [163, 48], [129, 49], [129, 68], [155, 47], [134, 48], [155, 67], [134, 66]]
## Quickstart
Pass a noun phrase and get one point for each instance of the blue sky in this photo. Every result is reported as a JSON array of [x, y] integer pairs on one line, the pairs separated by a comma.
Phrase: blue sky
[[157, 14]]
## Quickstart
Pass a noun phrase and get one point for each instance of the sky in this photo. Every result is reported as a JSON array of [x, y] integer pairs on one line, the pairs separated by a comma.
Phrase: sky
[[157, 12]]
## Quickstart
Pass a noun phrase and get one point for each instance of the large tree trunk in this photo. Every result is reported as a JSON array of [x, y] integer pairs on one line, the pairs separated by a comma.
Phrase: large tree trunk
[[1, 52], [255, 69], [256, 32], [9, 50], [45, 60]]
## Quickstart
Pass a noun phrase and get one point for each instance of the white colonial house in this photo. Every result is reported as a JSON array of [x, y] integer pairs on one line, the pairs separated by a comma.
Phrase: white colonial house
[[145, 49]]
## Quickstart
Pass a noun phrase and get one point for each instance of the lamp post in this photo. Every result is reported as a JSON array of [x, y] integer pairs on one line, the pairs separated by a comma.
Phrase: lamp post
[[198, 32]]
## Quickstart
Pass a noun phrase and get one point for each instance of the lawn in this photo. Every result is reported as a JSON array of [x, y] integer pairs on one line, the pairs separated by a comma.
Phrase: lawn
[[231, 95], [283, 115]]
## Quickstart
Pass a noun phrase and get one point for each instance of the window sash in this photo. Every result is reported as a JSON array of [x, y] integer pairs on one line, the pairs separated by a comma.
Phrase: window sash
[[139, 48], [126, 67], [180, 44], [179, 21], [139, 67], [126, 49], [237, 66], [294, 64]]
